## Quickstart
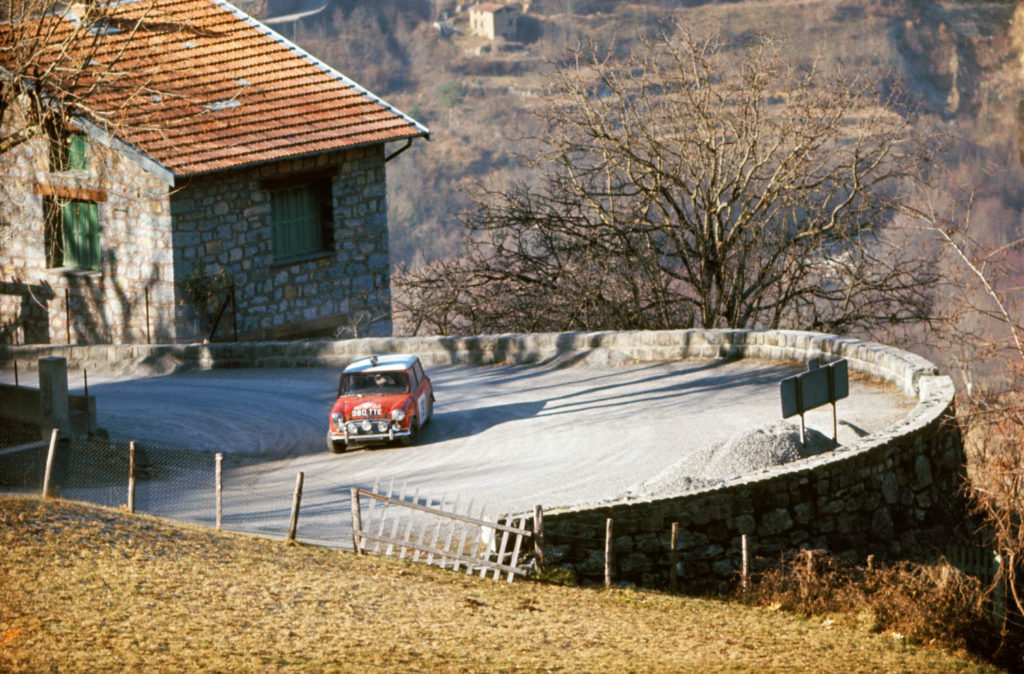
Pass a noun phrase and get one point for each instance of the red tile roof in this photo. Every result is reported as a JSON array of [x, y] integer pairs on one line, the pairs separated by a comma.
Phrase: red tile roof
[[209, 88]]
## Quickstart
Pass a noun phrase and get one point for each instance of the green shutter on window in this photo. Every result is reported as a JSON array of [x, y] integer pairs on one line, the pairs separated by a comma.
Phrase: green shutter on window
[[78, 152], [296, 221], [81, 235]]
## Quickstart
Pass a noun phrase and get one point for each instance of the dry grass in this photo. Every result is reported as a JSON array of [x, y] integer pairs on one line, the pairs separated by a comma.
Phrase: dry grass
[[84, 588], [923, 603]]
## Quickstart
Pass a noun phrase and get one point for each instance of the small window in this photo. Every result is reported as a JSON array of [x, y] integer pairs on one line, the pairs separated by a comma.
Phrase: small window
[[73, 236], [300, 217], [78, 152], [70, 153]]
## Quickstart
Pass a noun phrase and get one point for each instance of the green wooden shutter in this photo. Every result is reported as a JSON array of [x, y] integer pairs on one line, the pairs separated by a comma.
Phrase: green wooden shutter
[[81, 235], [296, 221], [78, 151]]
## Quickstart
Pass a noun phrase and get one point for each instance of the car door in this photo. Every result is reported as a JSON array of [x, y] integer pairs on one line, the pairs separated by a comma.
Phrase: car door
[[424, 393]]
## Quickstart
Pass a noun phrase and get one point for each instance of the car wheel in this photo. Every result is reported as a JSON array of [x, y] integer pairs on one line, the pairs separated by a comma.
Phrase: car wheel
[[336, 446], [414, 433]]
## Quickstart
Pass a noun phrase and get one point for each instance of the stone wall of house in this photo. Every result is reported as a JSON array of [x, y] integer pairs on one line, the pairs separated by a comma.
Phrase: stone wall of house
[[130, 299], [222, 222], [223, 225]]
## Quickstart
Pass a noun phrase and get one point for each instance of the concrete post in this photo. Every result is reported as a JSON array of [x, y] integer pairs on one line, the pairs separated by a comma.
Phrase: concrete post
[[54, 409]]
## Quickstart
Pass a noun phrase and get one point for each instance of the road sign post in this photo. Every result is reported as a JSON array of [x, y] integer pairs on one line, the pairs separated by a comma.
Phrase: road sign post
[[818, 386]]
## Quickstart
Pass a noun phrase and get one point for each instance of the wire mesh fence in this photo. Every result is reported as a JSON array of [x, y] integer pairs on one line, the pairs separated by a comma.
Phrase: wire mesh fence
[[255, 496]]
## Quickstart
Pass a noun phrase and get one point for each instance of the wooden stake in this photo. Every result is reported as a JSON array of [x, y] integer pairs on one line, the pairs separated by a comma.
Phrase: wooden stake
[[296, 501], [67, 315], [673, 558], [608, 552], [49, 462], [149, 339], [745, 563], [85, 377], [131, 476], [357, 522], [16, 373], [538, 537], [219, 461]]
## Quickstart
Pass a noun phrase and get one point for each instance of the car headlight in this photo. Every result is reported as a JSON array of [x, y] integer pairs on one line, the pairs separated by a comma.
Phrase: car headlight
[[337, 420], [397, 415], [367, 426], [382, 427], [353, 428]]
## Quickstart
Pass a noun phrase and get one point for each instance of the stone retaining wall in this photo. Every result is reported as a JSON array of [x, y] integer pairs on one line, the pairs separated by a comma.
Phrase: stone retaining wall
[[893, 494]]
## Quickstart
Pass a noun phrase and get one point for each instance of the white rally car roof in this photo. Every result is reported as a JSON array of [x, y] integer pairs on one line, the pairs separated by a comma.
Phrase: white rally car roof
[[382, 363]]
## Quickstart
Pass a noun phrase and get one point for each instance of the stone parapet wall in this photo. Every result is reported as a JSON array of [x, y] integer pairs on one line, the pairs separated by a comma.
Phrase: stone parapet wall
[[895, 494], [906, 370]]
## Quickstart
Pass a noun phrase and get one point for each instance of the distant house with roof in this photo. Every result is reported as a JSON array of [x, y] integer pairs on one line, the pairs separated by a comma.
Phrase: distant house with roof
[[493, 20], [251, 183]]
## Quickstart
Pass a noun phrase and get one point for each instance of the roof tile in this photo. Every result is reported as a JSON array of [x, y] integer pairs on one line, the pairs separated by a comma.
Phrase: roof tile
[[191, 60]]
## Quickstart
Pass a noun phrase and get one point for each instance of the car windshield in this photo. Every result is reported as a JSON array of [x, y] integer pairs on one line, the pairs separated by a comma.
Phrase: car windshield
[[371, 383]]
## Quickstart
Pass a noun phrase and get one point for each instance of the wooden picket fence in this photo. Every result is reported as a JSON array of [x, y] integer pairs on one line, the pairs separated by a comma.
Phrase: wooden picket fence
[[983, 564], [397, 526]]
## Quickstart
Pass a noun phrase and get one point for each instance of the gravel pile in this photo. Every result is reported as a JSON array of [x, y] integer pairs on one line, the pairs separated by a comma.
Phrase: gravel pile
[[745, 453]]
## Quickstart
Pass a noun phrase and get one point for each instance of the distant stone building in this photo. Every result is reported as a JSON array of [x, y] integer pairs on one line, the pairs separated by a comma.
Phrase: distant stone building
[[262, 194], [493, 20]]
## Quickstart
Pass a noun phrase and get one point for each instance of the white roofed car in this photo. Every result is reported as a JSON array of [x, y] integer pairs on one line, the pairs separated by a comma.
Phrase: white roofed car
[[381, 398]]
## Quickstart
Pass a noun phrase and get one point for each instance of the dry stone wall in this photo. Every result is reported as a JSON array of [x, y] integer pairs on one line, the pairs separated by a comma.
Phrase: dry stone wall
[[894, 494]]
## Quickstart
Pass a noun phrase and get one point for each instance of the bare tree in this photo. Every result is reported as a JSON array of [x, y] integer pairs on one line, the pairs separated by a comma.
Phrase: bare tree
[[982, 332], [56, 67], [700, 183]]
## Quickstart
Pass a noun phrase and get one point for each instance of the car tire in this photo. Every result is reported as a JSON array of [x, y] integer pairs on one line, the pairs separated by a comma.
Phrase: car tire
[[414, 433], [336, 446]]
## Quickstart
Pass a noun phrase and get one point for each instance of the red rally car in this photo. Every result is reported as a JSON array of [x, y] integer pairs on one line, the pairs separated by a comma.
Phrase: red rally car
[[380, 399]]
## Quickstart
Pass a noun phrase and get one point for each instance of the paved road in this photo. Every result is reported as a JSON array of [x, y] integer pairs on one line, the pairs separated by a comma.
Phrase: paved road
[[512, 436]]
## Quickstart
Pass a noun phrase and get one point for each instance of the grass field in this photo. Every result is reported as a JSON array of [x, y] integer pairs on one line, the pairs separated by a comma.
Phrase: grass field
[[84, 588]]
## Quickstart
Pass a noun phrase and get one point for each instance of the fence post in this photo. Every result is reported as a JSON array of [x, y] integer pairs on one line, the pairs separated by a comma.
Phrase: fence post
[[16, 384], [608, 552], [357, 523], [67, 315], [296, 501], [745, 564], [673, 558], [49, 462], [131, 477], [219, 459], [538, 537]]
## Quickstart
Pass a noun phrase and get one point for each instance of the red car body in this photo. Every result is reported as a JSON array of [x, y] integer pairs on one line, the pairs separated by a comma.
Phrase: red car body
[[380, 399]]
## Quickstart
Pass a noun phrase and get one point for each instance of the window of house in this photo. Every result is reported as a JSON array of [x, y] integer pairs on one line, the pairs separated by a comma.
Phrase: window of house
[[70, 154], [300, 216], [78, 152], [73, 235]]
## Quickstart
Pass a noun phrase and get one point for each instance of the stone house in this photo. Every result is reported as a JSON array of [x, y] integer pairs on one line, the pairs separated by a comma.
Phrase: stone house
[[493, 20], [249, 182]]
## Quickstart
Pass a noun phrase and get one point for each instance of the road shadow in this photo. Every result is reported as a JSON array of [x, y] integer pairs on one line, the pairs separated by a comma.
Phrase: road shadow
[[457, 424]]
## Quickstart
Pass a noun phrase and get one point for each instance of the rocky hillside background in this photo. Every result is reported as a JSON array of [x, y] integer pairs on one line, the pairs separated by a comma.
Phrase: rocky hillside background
[[959, 61]]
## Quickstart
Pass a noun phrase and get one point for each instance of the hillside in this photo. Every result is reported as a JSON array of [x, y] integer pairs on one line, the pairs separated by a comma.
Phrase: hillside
[[958, 61], [89, 589]]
